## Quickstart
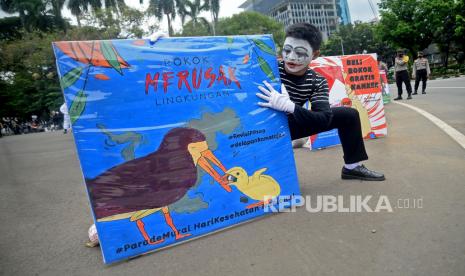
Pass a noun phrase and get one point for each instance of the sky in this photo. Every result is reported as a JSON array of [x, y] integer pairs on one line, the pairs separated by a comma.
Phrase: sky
[[359, 11]]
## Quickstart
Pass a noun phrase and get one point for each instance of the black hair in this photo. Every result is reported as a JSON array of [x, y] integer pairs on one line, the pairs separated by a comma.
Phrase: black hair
[[306, 31]]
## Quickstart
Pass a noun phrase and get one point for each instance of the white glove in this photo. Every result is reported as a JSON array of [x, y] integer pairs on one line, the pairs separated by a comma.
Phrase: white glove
[[156, 36], [274, 99]]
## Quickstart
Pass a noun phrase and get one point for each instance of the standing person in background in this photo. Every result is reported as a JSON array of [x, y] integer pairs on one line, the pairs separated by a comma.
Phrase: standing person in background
[[384, 71], [56, 119], [402, 75], [421, 72], [66, 118], [382, 65]]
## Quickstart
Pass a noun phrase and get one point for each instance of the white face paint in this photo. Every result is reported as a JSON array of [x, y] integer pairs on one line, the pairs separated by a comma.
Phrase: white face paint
[[297, 54]]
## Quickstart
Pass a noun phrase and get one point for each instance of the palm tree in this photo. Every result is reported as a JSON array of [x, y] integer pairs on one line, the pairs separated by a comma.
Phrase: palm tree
[[115, 5], [215, 10], [79, 7], [193, 9], [10, 6], [57, 6], [163, 7], [181, 10], [29, 11]]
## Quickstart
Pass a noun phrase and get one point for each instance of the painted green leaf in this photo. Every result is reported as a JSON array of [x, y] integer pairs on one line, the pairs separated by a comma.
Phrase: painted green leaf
[[111, 55], [77, 107], [266, 68], [230, 39], [71, 77], [262, 46]]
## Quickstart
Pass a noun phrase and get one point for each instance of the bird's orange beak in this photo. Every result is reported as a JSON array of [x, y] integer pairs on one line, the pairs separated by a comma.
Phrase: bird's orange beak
[[202, 156], [207, 155]]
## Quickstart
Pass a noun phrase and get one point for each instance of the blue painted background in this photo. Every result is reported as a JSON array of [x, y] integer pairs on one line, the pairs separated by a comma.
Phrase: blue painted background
[[121, 105]]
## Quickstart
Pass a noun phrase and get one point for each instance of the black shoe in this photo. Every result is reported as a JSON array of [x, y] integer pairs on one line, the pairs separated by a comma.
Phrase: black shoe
[[424, 92], [65, 131], [361, 173], [398, 98], [415, 93], [409, 97]]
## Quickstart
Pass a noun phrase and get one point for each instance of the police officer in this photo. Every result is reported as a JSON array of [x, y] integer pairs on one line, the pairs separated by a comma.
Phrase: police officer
[[402, 75], [421, 72]]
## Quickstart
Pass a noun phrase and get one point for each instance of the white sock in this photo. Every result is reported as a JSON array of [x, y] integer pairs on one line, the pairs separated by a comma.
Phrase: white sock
[[351, 166]]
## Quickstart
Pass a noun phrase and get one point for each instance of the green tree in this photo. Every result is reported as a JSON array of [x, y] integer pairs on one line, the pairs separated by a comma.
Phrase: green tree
[[115, 6], [31, 12], [460, 18], [459, 31], [192, 9], [128, 24], [444, 18], [10, 6], [79, 7], [200, 29], [56, 7], [215, 11], [159, 8], [404, 24], [32, 87], [415, 24], [10, 28], [356, 39], [248, 23], [28, 80]]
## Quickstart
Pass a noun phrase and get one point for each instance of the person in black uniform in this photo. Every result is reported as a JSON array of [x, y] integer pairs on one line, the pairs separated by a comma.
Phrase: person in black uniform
[[301, 84]]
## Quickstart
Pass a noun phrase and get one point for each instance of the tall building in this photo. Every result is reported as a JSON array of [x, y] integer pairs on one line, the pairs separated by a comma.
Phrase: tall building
[[343, 12], [325, 14]]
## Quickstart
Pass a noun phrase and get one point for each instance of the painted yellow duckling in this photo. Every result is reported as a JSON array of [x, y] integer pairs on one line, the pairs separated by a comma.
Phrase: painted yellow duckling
[[257, 187]]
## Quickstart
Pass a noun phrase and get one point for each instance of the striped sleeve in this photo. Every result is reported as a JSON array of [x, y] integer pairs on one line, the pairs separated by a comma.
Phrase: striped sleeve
[[320, 96]]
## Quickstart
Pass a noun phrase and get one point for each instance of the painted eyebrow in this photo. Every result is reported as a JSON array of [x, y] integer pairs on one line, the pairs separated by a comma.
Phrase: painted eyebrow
[[299, 47]]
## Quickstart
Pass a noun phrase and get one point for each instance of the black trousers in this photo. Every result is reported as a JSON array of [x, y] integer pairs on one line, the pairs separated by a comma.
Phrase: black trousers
[[347, 122], [403, 77], [423, 76]]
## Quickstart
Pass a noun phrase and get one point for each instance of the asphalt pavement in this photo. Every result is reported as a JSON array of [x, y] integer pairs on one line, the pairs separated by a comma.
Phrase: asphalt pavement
[[45, 213], [444, 98]]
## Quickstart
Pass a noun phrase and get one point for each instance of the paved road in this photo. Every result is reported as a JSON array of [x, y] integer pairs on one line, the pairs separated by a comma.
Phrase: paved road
[[445, 99], [45, 213]]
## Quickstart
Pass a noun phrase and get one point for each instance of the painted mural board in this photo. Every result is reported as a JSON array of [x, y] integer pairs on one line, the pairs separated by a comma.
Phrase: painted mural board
[[354, 81], [170, 138]]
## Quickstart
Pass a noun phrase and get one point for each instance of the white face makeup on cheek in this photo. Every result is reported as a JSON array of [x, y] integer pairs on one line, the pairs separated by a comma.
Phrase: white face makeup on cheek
[[297, 54]]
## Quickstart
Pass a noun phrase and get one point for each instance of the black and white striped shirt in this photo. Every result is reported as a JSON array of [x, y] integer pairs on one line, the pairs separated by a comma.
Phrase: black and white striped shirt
[[309, 87]]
